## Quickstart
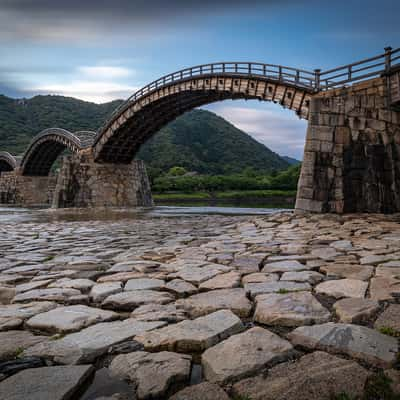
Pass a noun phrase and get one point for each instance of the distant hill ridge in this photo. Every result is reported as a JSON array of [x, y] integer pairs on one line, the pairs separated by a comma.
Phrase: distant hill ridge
[[198, 140]]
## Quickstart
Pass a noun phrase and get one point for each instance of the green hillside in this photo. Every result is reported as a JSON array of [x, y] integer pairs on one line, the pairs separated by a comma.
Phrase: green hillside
[[198, 141]]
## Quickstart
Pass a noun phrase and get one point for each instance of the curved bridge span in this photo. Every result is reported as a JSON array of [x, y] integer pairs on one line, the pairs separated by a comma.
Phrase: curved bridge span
[[48, 145], [160, 102]]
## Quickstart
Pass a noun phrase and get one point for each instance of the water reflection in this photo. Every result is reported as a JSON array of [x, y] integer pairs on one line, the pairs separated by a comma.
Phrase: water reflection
[[19, 215]]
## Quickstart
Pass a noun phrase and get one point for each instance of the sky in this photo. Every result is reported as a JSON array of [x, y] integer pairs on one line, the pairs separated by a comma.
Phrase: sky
[[101, 50]]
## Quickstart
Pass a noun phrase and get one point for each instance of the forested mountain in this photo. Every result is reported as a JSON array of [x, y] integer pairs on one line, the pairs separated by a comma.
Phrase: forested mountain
[[199, 140]]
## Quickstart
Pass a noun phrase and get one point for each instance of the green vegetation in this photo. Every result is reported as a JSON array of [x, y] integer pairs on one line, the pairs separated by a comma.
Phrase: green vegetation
[[283, 291], [198, 141], [387, 330], [283, 181]]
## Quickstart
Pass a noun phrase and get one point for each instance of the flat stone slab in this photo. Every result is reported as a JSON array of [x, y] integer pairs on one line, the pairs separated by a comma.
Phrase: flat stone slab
[[152, 373], [159, 312], [222, 281], [316, 376], [102, 290], [256, 289], [69, 319], [180, 287], [384, 288], [208, 302], [355, 310], [46, 383], [292, 309], [343, 288], [202, 391], [197, 275], [66, 283], [9, 323], [350, 271], [133, 299], [258, 277], [12, 343], [244, 354], [193, 335], [356, 341], [46, 294], [284, 266], [88, 344], [27, 310], [303, 276], [144, 284], [389, 319]]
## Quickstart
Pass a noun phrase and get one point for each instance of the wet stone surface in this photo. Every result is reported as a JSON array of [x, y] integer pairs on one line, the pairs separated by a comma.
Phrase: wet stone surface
[[278, 306]]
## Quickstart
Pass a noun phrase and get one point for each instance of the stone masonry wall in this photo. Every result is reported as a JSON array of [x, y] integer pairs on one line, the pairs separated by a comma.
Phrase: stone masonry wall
[[352, 152], [84, 183], [26, 190]]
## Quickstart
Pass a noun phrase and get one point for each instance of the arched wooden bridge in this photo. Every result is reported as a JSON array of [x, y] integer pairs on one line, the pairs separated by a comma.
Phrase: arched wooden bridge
[[161, 101]]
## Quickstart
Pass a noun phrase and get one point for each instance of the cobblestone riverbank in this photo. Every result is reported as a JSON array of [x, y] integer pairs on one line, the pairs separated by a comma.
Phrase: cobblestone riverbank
[[281, 306]]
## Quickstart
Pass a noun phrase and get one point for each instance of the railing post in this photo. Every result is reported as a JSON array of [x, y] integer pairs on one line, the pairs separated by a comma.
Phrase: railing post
[[388, 58], [317, 79], [280, 73]]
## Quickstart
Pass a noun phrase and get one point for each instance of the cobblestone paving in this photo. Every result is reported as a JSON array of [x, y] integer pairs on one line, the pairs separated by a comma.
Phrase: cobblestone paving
[[280, 306]]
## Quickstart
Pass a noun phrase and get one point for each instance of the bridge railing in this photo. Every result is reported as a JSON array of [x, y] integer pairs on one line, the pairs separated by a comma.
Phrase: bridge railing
[[358, 71]]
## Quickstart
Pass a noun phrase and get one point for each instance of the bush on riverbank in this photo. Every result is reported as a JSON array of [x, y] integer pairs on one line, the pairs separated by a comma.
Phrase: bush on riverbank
[[248, 180]]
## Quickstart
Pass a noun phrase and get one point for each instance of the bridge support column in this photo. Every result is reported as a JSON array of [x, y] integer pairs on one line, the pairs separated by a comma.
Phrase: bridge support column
[[352, 153], [25, 190], [84, 183]]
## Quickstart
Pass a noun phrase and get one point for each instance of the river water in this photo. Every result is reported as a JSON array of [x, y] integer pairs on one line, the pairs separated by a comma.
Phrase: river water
[[19, 214]]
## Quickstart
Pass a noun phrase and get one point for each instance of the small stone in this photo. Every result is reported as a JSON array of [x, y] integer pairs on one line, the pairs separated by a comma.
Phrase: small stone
[[12, 343], [256, 289], [7, 293], [193, 335], [208, 302], [259, 277], [247, 264], [144, 284], [181, 288], [389, 319], [152, 374], [69, 319], [102, 290], [316, 376], [353, 340], [303, 276], [355, 310], [131, 300], [350, 271], [326, 253], [343, 288], [292, 309], [202, 391], [375, 259], [46, 383], [244, 354], [197, 275], [159, 312], [81, 284], [121, 277], [222, 281], [284, 266], [8, 323]]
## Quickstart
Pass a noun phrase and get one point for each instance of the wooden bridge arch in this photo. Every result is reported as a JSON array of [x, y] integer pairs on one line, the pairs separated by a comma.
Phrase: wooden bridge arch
[[48, 145], [163, 100], [8, 162]]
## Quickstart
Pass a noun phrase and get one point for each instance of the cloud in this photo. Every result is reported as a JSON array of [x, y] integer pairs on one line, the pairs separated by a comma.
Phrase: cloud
[[278, 129], [105, 72], [79, 20]]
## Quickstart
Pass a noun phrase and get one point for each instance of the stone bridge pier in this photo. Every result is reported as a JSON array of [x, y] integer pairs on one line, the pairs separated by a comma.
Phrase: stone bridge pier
[[82, 182], [352, 151]]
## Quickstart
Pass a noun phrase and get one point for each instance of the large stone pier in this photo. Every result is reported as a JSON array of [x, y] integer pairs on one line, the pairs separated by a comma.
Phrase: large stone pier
[[80, 183], [352, 151]]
